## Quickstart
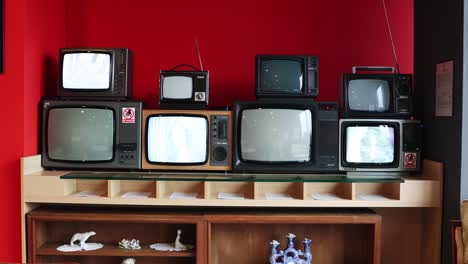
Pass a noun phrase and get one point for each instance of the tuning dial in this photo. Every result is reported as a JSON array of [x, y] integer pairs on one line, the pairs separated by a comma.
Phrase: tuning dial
[[219, 154]]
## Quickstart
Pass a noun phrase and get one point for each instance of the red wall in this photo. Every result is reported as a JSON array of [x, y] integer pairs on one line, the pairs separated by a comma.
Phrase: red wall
[[32, 31], [161, 34], [12, 83]]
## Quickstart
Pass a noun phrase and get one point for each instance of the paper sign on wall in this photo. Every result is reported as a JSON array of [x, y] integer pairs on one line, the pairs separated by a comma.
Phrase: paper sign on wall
[[444, 89]]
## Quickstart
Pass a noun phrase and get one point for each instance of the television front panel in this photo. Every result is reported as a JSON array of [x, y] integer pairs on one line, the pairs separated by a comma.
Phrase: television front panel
[[91, 134], [187, 140], [380, 145], [95, 73], [287, 136], [286, 76], [184, 89]]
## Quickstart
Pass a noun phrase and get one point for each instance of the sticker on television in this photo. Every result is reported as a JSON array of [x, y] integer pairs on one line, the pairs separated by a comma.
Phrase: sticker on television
[[410, 160], [128, 115], [199, 96]]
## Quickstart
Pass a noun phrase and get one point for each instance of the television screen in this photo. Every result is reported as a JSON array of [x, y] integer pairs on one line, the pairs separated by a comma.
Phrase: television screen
[[80, 134], [370, 144], [284, 76], [276, 135], [177, 87], [370, 95], [86, 71], [177, 139]]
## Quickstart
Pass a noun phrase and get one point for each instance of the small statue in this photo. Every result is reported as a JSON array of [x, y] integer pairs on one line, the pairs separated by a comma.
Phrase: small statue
[[129, 244], [129, 261], [82, 237], [290, 255], [178, 245]]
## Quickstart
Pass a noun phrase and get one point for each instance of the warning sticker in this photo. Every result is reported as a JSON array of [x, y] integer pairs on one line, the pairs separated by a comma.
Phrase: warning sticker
[[128, 115], [410, 160]]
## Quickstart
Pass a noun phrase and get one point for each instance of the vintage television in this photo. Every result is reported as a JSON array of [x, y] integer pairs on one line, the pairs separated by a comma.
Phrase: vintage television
[[187, 140], [376, 95], [95, 73], [286, 76], [380, 145], [184, 89], [78, 134], [286, 136]]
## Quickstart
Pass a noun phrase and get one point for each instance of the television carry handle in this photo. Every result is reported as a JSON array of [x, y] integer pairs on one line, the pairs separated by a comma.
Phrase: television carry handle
[[373, 68]]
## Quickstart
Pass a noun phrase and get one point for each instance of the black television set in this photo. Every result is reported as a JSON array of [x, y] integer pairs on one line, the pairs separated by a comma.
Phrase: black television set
[[376, 95], [184, 89], [380, 145], [286, 76], [95, 73], [287, 136], [78, 134]]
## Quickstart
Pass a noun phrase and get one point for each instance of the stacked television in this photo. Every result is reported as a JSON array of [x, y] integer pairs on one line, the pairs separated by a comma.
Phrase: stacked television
[[377, 130], [285, 130], [91, 123]]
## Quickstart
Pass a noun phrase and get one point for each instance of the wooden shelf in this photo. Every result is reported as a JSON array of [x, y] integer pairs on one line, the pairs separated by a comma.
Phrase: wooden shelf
[[50, 249]]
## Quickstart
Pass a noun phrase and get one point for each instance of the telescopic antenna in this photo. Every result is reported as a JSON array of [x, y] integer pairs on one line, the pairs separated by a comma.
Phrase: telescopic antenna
[[391, 37], [199, 56]]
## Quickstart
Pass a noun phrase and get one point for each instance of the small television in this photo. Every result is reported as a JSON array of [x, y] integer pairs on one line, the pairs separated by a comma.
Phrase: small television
[[95, 73], [82, 134], [184, 89], [380, 145], [287, 136], [187, 140], [377, 95], [286, 76]]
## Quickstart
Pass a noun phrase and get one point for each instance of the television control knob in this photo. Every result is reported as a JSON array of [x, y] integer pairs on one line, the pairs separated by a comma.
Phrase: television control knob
[[219, 154]]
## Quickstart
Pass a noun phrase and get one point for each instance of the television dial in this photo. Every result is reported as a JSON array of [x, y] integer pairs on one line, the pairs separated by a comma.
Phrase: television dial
[[219, 154]]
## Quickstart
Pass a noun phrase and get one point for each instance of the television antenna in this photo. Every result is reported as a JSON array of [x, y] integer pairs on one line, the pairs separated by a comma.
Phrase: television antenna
[[198, 52], [391, 37]]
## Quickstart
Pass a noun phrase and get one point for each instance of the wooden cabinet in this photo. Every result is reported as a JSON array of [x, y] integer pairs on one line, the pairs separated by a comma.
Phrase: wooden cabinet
[[410, 212], [220, 236]]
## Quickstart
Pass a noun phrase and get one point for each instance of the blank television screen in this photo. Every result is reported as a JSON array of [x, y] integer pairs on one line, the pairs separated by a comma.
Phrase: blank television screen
[[177, 87], [80, 134], [369, 95], [86, 71], [276, 135], [281, 76], [177, 139], [370, 144]]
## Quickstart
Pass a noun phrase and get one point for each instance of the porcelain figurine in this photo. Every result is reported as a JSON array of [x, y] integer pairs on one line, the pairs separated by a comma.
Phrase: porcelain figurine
[[176, 246], [129, 261], [129, 244], [82, 238], [290, 255]]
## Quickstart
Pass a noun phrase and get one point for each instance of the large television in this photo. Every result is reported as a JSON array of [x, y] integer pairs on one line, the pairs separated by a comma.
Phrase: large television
[[287, 136], [286, 76], [82, 134], [380, 145], [187, 140], [90, 73], [377, 95]]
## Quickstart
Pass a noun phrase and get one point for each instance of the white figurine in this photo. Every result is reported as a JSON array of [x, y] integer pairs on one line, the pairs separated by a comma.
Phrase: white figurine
[[82, 237], [178, 245], [129, 261]]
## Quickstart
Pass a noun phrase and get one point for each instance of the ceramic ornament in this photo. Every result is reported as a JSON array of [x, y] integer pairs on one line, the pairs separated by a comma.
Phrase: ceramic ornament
[[129, 244], [81, 237], [129, 261], [290, 255], [176, 246]]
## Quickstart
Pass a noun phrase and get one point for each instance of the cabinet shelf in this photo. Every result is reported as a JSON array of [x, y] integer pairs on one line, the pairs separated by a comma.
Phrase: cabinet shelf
[[50, 249]]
